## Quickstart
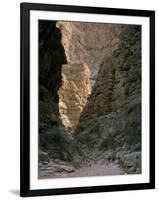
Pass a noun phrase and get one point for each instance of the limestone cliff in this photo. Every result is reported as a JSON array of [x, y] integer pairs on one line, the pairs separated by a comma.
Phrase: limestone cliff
[[88, 43], [73, 93]]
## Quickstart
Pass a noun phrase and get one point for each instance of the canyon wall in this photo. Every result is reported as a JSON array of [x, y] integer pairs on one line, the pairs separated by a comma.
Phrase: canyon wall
[[54, 141], [90, 85], [88, 43], [119, 78], [111, 119], [73, 93], [51, 58]]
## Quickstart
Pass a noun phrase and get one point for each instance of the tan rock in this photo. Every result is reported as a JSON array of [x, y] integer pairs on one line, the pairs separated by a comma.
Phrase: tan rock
[[73, 93], [88, 43]]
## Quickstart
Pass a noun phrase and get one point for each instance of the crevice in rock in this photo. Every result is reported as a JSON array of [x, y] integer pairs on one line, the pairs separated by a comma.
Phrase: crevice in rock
[[89, 97], [86, 46]]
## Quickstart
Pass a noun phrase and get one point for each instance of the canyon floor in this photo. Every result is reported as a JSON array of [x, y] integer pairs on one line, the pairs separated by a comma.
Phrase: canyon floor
[[100, 168]]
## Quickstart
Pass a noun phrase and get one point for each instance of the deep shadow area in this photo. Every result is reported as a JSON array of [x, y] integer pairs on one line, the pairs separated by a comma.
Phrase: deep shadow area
[[51, 58], [54, 141]]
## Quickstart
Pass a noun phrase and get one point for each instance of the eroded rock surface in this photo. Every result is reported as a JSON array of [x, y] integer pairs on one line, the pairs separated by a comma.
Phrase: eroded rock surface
[[86, 45], [54, 141], [89, 43], [51, 58], [112, 116], [73, 93], [107, 122]]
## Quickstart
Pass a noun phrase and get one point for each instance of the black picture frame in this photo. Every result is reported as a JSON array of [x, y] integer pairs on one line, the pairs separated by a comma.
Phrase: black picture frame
[[25, 9]]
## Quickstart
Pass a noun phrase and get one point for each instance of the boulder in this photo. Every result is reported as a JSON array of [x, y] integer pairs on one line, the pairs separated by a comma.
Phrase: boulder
[[43, 156], [58, 143]]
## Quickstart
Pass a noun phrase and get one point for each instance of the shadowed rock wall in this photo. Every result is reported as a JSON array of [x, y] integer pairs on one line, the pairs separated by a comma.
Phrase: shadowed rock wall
[[51, 58], [111, 119], [54, 141]]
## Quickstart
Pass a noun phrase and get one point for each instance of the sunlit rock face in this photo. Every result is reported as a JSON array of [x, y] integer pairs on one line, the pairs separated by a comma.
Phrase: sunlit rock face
[[89, 43], [73, 93], [82, 45], [86, 45]]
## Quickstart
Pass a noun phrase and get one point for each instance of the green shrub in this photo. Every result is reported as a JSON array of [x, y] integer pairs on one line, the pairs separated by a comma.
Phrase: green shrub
[[133, 136], [108, 143]]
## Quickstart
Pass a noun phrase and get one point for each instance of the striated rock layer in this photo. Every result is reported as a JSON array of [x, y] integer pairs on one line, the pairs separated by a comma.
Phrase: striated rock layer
[[89, 43], [73, 93], [119, 80], [86, 45]]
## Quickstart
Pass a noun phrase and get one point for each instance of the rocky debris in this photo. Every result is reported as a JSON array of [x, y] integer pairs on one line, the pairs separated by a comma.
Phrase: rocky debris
[[130, 161], [54, 169], [73, 93], [58, 143], [43, 156], [132, 158]]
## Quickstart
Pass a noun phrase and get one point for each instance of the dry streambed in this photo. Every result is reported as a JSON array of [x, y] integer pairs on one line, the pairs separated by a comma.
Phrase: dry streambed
[[100, 168]]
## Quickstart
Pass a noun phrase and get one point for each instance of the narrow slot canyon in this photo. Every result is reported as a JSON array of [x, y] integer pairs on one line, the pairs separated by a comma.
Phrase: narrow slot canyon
[[89, 99]]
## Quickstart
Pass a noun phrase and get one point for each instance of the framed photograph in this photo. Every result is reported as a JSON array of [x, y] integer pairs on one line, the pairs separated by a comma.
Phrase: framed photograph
[[87, 99]]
